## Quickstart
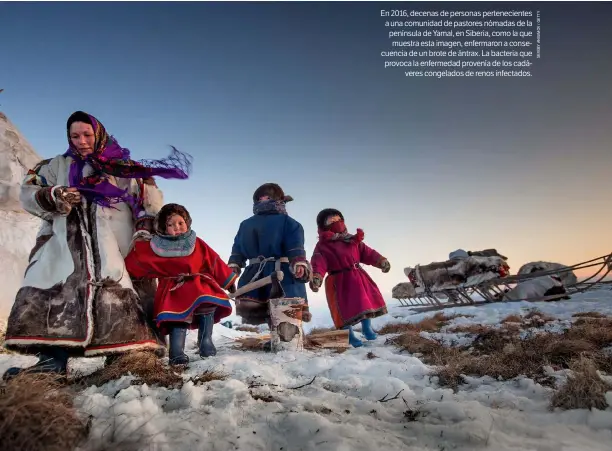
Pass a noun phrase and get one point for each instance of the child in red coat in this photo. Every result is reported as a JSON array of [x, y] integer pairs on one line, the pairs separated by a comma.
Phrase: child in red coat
[[352, 295], [191, 276]]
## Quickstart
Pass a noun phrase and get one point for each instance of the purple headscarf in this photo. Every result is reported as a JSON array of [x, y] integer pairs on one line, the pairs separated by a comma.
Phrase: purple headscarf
[[109, 158]]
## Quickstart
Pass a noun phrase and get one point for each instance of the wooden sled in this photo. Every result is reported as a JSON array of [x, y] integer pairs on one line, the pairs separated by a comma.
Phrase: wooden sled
[[493, 290], [335, 339]]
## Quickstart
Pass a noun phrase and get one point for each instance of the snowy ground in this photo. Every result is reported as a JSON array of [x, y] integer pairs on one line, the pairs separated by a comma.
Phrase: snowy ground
[[341, 409]]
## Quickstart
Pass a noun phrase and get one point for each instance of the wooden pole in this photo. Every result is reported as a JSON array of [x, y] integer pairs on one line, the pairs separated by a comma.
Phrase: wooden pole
[[277, 275]]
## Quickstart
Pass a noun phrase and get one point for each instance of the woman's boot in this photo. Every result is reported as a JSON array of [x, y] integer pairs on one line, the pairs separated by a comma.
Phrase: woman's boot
[[111, 358], [353, 340], [177, 346], [51, 360], [366, 329], [205, 343]]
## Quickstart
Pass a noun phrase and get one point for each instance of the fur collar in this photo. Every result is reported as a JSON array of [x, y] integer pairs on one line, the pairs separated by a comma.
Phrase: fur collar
[[267, 207], [174, 246]]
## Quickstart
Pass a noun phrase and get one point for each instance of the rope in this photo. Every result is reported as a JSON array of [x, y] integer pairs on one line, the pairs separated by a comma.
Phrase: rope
[[103, 283], [534, 275], [262, 264], [605, 262], [182, 277]]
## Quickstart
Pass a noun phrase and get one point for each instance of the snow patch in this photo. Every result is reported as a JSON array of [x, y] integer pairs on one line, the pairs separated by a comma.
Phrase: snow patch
[[340, 403]]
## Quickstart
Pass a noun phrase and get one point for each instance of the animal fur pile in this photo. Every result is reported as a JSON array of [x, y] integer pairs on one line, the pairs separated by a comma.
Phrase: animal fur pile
[[449, 274], [403, 290], [565, 274], [546, 285], [536, 288]]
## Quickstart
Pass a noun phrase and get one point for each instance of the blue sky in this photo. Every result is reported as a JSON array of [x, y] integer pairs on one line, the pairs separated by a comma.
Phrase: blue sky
[[296, 93]]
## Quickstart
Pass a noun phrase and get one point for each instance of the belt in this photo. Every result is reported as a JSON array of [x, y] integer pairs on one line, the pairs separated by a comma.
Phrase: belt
[[261, 261], [181, 278], [254, 261], [349, 268]]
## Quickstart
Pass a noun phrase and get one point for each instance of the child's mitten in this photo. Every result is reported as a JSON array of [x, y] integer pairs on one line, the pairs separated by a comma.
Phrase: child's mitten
[[304, 274], [316, 282], [235, 268], [385, 266]]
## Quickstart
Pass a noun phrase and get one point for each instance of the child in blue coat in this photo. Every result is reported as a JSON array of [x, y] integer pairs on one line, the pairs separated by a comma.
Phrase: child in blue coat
[[268, 241]]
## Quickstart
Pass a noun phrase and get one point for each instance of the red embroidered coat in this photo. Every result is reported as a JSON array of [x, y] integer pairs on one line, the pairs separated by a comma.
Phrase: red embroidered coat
[[206, 276]]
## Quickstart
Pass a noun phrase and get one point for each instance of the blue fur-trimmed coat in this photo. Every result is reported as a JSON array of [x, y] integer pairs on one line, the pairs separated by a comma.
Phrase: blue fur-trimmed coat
[[269, 234]]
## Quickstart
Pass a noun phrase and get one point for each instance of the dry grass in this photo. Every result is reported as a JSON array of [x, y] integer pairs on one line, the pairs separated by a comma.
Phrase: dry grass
[[502, 354], [534, 318], [247, 328], [251, 343], [145, 365], [589, 315], [584, 389], [511, 327], [472, 329], [208, 376], [598, 332], [512, 319], [493, 340], [432, 352], [36, 413], [414, 343], [512, 361], [431, 324], [3, 350]]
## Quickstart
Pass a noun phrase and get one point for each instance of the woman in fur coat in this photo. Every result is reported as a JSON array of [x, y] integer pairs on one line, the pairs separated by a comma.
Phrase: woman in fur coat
[[352, 295], [191, 277], [76, 298]]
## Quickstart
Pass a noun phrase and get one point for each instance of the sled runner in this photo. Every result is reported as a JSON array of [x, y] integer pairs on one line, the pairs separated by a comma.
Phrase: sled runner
[[449, 284]]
